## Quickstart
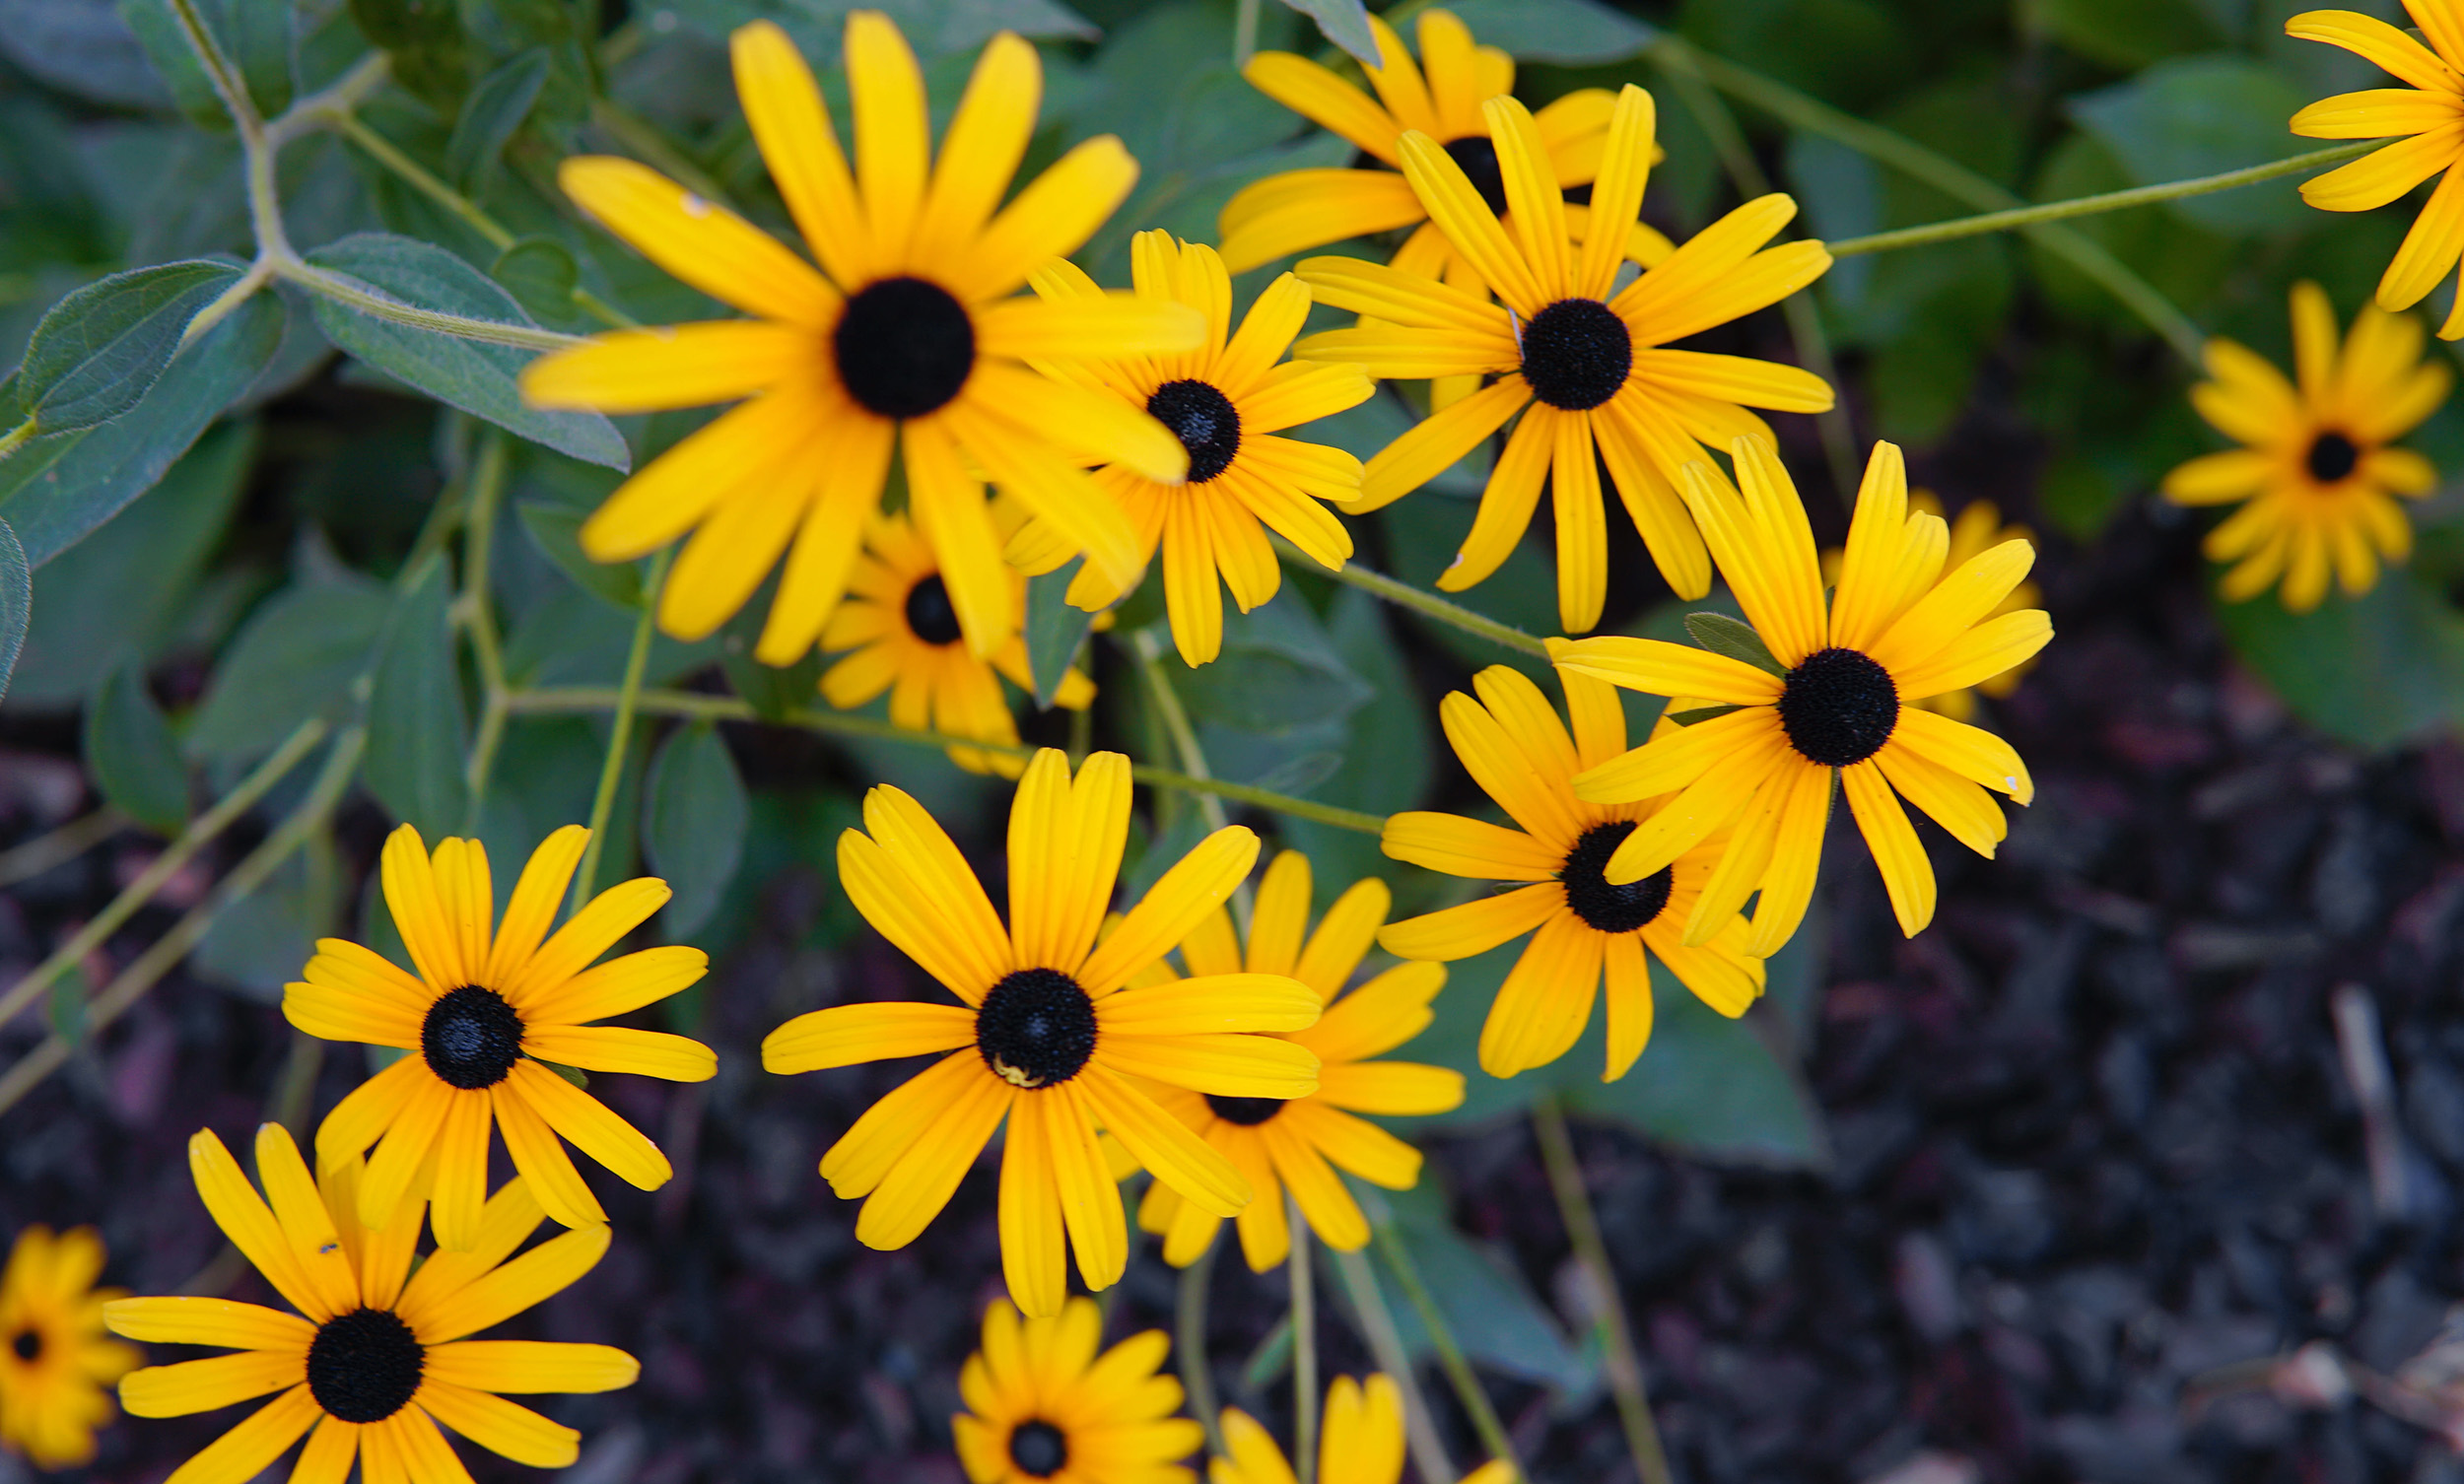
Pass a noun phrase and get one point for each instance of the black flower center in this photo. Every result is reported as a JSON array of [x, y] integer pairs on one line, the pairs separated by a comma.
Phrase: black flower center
[[904, 347], [473, 1038], [28, 1343], [365, 1366], [1038, 1448], [1838, 706], [1248, 1113], [1576, 353], [2332, 458], [1478, 155], [1203, 419], [929, 616], [1036, 1027], [1604, 908]]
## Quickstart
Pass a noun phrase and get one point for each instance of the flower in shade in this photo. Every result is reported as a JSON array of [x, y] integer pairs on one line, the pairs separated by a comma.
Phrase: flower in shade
[[1978, 527], [55, 1361], [1041, 1404], [2428, 112], [1441, 98], [1829, 707], [1298, 1144], [1361, 1441], [899, 621], [2315, 479], [483, 1015], [1589, 370], [1225, 402], [1583, 928], [1047, 1035], [375, 1357], [912, 332]]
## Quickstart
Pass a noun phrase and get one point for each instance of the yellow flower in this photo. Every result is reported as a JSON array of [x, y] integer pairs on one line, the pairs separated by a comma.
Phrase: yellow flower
[[1978, 527], [1297, 1145], [1441, 98], [54, 1359], [1833, 705], [1362, 1443], [380, 1357], [2316, 473], [1591, 367], [1225, 401], [1582, 927], [899, 621], [1048, 1037], [2429, 112], [910, 333], [1041, 1404], [481, 1015]]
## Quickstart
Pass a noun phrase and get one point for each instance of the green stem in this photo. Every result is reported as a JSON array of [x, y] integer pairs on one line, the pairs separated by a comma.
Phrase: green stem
[[478, 615], [2085, 206], [1450, 1357], [1304, 1346], [1427, 604], [200, 832], [1244, 47], [620, 733], [639, 135], [64, 844], [1176, 720], [1386, 1347], [10, 440], [1624, 1364], [376, 304], [384, 151], [1197, 1376]]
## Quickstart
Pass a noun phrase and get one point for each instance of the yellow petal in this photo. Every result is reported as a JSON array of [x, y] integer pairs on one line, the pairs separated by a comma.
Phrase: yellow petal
[[706, 245], [674, 366], [847, 1035]]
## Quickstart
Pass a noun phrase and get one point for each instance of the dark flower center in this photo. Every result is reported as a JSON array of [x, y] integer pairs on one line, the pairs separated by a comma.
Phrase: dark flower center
[[1838, 706], [1478, 155], [1248, 1113], [1036, 1027], [929, 616], [28, 1343], [471, 1038], [1604, 908], [1203, 419], [365, 1366], [904, 347], [1038, 1448], [1576, 353], [2332, 458]]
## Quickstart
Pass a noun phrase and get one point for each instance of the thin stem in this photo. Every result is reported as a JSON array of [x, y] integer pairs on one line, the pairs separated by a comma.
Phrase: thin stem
[[1450, 1357], [219, 71], [10, 440], [1188, 1323], [1176, 720], [201, 831], [478, 615], [66, 843], [220, 307], [1427, 604], [1386, 1346], [373, 301], [619, 734], [1244, 47], [2085, 206], [323, 108], [639, 135], [382, 150], [1624, 1364], [1304, 1346]]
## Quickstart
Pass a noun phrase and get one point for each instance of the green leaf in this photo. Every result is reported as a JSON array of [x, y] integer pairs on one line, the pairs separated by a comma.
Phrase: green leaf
[[1346, 22], [424, 40], [101, 348], [1698, 715], [493, 113], [1565, 33], [694, 815], [82, 50], [159, 31], [263, 940], [1278, 673], [475, 378], [2199, 117], [1054, 630], [1484, 1301], [17, 593], [256, 34], [2126, 34], [555, 529], [2376, 671], [130, 752], [541, 275], [1734, 638], [416, 732], [65, 1008], [573, 1074], [56, 490], [934, 28], [294, 658]]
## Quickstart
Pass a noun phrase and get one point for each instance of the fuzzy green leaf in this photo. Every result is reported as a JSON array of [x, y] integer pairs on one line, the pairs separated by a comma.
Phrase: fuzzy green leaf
[[416, 731], [694, 816], [131, 754], [101, 348]]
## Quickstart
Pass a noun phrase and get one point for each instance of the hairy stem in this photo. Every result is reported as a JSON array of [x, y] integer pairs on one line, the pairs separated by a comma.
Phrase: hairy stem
[[1450, 1357], [1304, 1345], [477, 612], [1623, 1364], [619, 734], [64, 844], [1197, 1376], [375, 302], [1386, 1347], [1404, 595]]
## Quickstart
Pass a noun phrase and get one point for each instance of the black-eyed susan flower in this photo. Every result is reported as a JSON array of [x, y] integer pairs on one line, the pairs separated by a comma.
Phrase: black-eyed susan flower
[[1831, 709], [482, 1014], [2428, 112], [1048, 1038], [1225, 402], [1583, 928], [55, 1361], [899, 621], [1441, 98], [2316, 480], [1978, 527], [911, 333], [1362, 1442], [375, 1357], [1297, 1144], [1042, 1405], [1590, 371]]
